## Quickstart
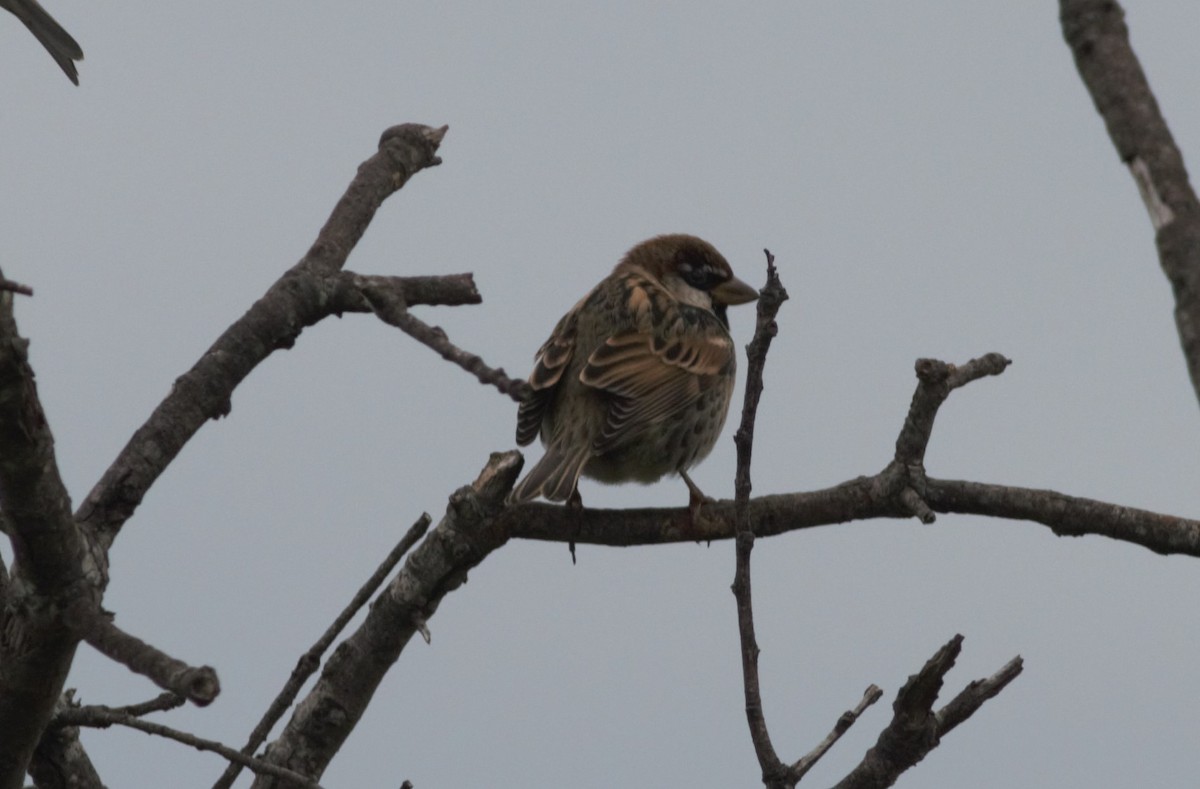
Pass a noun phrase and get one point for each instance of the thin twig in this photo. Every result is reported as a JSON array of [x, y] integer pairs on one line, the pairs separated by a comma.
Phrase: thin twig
[[311, 660], [160, 703], [15, 287], [771, 297], [871, 695], [975, 694], [97, 716], [391, 309], [935, 380]]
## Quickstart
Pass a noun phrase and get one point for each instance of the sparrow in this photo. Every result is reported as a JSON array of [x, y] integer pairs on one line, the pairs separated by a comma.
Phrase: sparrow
[[635, 381], [58, 42]]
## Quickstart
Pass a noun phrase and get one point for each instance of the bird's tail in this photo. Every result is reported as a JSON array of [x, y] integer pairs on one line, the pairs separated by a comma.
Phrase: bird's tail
[[57, 41], [554, 477]]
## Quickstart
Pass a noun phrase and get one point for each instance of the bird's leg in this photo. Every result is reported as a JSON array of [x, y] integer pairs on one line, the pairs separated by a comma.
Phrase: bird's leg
[[696, 497]]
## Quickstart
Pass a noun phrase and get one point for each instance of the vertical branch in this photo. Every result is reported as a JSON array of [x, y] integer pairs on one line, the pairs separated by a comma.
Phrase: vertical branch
[[1099, 40], [771, 297]]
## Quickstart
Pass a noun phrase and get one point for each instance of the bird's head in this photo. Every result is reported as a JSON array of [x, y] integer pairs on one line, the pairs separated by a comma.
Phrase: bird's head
[[692, 270]]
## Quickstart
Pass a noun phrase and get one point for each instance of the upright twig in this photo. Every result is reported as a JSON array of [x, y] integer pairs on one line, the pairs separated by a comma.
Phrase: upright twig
[[770, 298]]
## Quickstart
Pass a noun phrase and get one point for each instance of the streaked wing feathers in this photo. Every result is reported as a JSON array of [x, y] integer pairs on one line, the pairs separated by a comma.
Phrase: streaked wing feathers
[[549, 363], [652, 378]]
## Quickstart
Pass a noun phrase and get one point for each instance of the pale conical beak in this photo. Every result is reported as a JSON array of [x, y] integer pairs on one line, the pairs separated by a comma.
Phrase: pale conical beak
[[733, 291]]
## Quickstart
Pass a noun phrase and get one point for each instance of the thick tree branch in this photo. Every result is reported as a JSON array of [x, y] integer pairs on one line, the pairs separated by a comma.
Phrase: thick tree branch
[[59, 761], [309, 291], [465, 536], [49, 560], [310, 661], [61, 561], [916, 729], [1099, 40]]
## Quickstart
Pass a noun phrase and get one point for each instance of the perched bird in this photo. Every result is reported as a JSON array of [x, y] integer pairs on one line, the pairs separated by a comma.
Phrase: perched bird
[[58, 42], [634, 382]]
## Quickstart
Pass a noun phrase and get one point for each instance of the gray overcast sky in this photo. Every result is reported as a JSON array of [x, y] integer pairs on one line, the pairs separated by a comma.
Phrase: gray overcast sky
[[934, 181]]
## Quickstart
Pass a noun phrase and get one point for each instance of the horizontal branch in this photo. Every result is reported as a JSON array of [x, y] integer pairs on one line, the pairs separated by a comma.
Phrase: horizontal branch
[[15, 287], [850, 501], [1069, 516], [445, 290], [901, 490]]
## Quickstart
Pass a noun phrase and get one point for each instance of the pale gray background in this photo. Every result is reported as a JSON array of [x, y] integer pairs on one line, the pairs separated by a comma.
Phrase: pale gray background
[[934, 181]]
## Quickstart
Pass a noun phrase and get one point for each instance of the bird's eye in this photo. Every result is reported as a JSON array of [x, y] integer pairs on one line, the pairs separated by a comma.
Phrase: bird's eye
[[702, 277]]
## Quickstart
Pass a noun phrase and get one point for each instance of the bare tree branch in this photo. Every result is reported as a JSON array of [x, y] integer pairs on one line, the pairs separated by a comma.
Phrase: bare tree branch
[[1096, 33], [35, 649], [853, 500], [99, 716], [871, 695], [59, 761], [465, 536], [975, 694], [310, 661], [15, 287], [391, 309], [448, 290], [770, 299], [198, 685], [300, 298], [916, 729], [878, 496], [160, 703], [60, 567]]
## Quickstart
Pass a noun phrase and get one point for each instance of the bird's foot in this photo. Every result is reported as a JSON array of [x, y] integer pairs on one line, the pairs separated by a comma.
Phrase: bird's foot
[[575, 504]]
